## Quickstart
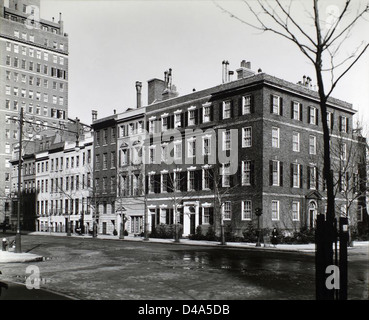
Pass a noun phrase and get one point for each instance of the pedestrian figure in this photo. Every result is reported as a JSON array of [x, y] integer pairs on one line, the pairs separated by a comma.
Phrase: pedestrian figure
[[274, 239]]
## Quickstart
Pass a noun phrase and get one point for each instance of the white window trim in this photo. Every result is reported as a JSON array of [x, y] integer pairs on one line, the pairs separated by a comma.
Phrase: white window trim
[[277, 202], [298, 211], [243, 209]]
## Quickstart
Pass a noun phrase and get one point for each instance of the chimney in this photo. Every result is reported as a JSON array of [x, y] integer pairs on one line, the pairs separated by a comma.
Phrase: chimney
[[223, 71], [155, 89], [245, 70], [138, 93], [170, 78], [94, 115], [61, 24]]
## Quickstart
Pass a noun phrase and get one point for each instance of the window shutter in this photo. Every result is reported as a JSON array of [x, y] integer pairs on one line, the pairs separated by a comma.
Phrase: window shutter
[[252, 108], [128, 156], [200, 215], [271, 172], [281, 106], [197, 116], [183, 181], [200, 115], [301, 172], [147, 184], [170, 184], [347, 125], [309, 113], [291, 177], [221, 111], [211, 216], [211, 178], [316, 179], [292, 113], [271, 103], [252, 173], [240, 106], [171, 121], [157, 183], [340, 124], [231, 106], [211, 113], [186, 119], [166, 216], [281, 174], [301, 110], [332, 121], [308, 177], [316, 116]]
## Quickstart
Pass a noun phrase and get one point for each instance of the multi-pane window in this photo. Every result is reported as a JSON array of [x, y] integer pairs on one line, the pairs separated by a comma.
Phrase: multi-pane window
[[276, 107], [343, 148], [191, 180], [296, 175], [164, 123], [343, 124], [206, 178], [275, 137], [164, 153], [312, 177], [226, 109], [312, 145], [313, 115], [275, 210], [275, 173], [227, 140], [191, 117], [177, 120], [192, 148], [330, 120], [295, 211], [206, 114], [227, 210], [296, 141], [246, 210], [246, 104], [207, 146], [177, 181], [246, 137], [226, 179], [152, 154], [296, 111], [152, 126], [206, 213], [246, 173]]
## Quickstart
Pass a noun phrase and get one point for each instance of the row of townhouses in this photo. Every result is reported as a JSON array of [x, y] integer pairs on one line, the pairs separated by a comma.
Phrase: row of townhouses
[[208, 158]]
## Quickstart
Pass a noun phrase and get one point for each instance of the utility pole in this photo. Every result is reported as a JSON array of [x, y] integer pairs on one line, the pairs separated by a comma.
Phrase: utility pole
[[18, 246]]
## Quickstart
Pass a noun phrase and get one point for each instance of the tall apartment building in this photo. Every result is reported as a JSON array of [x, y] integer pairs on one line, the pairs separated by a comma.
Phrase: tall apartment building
[[33, 76]]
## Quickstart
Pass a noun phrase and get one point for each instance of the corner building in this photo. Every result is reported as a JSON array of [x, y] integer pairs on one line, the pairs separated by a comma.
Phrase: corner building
[[33, 76], [270, 130]]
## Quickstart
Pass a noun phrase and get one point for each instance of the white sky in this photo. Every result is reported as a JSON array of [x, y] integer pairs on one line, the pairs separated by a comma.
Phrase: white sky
[[113, 44]]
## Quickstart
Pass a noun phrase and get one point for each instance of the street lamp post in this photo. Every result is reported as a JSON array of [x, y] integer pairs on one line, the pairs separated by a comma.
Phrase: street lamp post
[[258, 213], [18, 246]]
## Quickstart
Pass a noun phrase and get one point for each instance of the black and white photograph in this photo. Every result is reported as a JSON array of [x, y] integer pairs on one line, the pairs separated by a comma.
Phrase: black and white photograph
[[184, 157]]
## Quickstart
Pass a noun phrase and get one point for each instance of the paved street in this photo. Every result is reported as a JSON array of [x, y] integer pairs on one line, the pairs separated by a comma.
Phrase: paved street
[[87, 268]]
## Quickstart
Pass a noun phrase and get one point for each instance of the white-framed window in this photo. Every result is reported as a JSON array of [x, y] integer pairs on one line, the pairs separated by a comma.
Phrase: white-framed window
[[177, 180], [206, 214], [226, 179], [227, 210], [191, 148], [296, 175], [312, 177], [164, 153], [152, 126], [275, 210], [152, 154], [276, 165], [275, 137], [246, 137], [177, 120], [246, 173], [246, 104], [191, 180], [343, 124], [206, 146], [178, 150], [312, 145], [296, 141], [8, 46], [276, 104], [227, 140], [16, 48], [330, 120], [206, 114], [227, 109], [296, 109], [206, 178], [191, 117], [313, 115], [295, 211], [343, 147], [164, 123], [246, 209], [360, 215]]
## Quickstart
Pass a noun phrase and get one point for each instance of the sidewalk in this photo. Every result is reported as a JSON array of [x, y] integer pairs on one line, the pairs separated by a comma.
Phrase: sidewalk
[[280, 247], [12, 257]]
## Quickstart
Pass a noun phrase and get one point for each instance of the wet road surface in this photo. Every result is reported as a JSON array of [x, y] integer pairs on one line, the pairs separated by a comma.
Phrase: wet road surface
[[107, 269]]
